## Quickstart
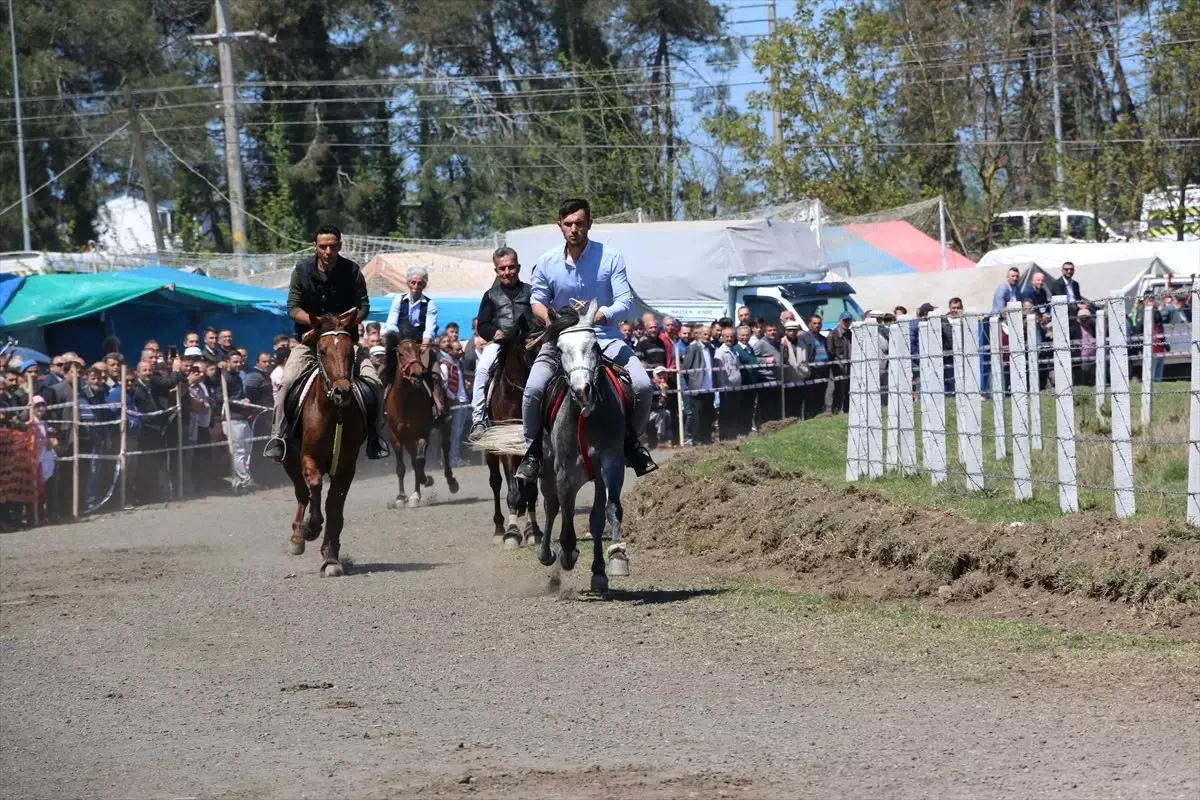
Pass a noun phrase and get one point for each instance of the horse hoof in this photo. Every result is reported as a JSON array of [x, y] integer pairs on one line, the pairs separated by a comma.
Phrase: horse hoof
[[296, 548], [599, 583], [391, 505], [512, 542], [310, 531], [567, 562], [618, 565], [547, 559], [453, 484], [332, 569], [428, 481], [533, 538], [414, 501]]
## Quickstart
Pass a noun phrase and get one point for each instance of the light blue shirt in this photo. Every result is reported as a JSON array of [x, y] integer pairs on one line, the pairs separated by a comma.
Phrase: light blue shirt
[[599, 275], [392, 325]]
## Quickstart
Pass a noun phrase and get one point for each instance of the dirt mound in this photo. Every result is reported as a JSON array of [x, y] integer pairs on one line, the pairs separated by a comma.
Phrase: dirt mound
[[744, 516]]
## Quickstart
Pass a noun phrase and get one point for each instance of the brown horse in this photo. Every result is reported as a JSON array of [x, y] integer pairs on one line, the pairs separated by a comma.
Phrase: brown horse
[[410, 420], [333, 431], [504, 405]]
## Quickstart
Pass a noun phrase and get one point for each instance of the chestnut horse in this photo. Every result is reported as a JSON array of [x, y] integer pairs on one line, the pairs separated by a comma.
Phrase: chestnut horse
[[504, 405], [333, 431], [410, 420]]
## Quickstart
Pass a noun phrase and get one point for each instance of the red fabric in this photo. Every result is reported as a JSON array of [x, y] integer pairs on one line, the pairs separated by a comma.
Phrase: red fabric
[[583, 449], [451, 379], [904, 242], [670, 348], [19, 473]]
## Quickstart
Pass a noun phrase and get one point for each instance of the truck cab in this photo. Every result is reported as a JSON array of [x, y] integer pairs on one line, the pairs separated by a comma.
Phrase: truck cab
[[804, 298]]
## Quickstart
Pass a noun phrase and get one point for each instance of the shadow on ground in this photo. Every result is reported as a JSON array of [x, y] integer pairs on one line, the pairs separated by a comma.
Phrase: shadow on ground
[[363, 569], [652, 597]]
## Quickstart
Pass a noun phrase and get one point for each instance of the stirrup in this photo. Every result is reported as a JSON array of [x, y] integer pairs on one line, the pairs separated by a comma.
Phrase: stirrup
[[529, 464]]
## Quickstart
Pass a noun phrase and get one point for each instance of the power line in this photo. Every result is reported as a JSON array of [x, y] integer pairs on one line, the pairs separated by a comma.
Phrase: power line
[[66, 169]]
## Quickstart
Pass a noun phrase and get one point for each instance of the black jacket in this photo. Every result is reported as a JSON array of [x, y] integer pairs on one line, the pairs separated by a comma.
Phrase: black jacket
[[505, 308], [315, 292]]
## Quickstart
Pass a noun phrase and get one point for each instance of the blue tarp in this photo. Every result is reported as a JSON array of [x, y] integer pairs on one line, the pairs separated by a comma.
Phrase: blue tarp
[[237, 295], [863, 258], [9, 284]]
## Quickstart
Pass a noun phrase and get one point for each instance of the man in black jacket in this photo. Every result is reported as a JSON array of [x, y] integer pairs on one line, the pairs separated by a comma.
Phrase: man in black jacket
[[504, 313], [326, 283]]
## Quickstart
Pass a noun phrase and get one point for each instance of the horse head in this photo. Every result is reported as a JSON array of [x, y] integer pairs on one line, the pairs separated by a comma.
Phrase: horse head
[[411, 367], [579, 351], [333, 341]]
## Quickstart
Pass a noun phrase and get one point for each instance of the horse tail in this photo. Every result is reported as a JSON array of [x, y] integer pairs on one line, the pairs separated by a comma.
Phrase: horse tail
[[503, 440]]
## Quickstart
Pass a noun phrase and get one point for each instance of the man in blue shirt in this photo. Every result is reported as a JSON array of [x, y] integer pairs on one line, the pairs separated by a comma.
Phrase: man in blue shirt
[[580, 271], [414, 315], [1007, 292]]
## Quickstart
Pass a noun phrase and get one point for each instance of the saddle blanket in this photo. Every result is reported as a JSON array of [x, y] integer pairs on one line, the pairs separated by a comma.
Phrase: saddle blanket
[[363, 396]]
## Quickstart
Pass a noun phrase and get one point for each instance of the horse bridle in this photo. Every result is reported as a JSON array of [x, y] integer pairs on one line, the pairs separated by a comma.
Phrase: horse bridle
[[593, 372], [321, 363]]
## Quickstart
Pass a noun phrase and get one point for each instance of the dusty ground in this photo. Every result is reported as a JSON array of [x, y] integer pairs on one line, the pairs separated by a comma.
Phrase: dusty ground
[[739, 515], [168, 652]]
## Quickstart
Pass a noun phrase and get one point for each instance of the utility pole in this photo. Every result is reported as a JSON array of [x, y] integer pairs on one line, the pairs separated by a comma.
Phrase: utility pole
[[233, 153], [1059, 149], [776, 116], [139, 156], [12, 29]]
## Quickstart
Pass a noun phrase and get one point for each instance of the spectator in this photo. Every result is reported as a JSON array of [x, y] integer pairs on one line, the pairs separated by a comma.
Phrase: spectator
[[697, 370], [451, 332], [796, 357], [191, 339], [1158, 342], [1069, 286], [55, 375], [133, 422], [956, 312], [1084, 333], [238, 429], [658, 427], [1007, 292], [225, 346], [743, 318], [45, 442], [378, 355], [838, 345], [626, 331], [14, 403], [818, 373], [450, 364], [282, 347], [727, 379], [785, 317], [769, 397], [650, 349], [1038, 293], [211, 350], [113, 363], [899, 311], [93, 434], [257, 384]]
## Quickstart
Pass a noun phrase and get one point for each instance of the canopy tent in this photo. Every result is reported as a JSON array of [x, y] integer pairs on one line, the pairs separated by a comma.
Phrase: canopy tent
[[1181, 258], [237, 296], [9, 284], [881, 248], [671, 263]]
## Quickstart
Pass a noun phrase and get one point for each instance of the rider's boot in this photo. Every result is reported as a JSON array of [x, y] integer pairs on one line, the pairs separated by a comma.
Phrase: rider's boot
[[531, 465], [377, 447], [636, 454], [477, 431], [276, 449]]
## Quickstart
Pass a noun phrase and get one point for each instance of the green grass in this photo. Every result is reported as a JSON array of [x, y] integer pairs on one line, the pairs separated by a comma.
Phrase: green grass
[[818, 447]]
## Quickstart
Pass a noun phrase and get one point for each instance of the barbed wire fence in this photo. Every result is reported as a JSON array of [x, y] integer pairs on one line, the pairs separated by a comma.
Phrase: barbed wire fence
[[1105, 440]]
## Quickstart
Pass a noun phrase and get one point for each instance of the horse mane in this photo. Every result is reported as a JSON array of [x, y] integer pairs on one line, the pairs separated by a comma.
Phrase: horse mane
[[566, 317], [324, 322]]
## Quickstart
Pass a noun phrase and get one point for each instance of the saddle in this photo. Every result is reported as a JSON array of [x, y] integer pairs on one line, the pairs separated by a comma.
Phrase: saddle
[[294, 401]]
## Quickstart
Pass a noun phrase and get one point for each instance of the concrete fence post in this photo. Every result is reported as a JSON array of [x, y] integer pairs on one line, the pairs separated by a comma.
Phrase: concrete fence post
[[1122, 426], [855, 440], [1147, 365], [906, 423], [933, 399], [960, 404], [1064, 409], [996, 351], [1193, 504], [872, 402], [1020, 395], [971, 397], [1034, 350], [891, 414]]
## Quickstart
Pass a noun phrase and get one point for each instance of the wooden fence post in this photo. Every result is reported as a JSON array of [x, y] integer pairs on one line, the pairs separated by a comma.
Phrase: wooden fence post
[[1064, 409], [179, 441], [933, 399], [996, 351], [1193, 504], [1122, 426], [1034, 362], [1021, 401], [121, 457]]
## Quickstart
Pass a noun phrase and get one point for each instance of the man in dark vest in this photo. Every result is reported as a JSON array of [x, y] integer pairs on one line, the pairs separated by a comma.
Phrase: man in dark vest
[[326, 283], [414, 316], [504, 311]]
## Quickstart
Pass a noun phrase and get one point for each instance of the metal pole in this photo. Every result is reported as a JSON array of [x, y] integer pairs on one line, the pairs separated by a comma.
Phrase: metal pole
[[942, 225], [139, 157], [233, 153], [75, 442], [776, 115], [679, 405], [121, 455], [1059, 148], [37, 457], [179, 441], [12, 29]]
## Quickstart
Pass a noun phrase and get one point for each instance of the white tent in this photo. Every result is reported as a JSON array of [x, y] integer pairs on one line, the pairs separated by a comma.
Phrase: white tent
[[673, 263], [1181, 258]]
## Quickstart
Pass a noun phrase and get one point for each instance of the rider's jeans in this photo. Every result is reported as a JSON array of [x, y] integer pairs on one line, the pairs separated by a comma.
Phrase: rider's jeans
[[483, 368], [545, 366]]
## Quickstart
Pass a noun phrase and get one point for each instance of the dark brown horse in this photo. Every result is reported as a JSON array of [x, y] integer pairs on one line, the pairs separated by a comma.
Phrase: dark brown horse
[[504, 405], [410, 421], [333, 431]]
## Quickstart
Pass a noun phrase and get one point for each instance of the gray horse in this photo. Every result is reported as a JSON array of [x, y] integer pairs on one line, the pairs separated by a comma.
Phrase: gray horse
[[590, 394]]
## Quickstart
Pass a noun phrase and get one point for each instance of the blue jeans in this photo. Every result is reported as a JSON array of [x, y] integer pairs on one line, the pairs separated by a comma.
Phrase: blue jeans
[[546, 365]]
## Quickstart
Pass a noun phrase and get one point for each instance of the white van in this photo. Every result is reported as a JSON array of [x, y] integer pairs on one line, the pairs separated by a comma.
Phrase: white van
[[1051, 225]]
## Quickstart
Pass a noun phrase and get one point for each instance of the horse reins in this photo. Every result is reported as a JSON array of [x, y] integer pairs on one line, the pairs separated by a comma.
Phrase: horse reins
[[321, 364]]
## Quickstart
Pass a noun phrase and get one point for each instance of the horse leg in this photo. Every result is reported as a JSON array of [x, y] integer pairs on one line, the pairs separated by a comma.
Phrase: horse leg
[[416, 454], [567, 554], [596, 526], [545, 555], [425, 479], [296, 545], [532, 532], [496, 481], [399, 452], [335, 506], [613, 473], [447, 467], [316, 519]]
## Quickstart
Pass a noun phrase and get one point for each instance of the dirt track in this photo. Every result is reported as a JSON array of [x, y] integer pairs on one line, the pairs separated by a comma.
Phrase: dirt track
[[163, 653]]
